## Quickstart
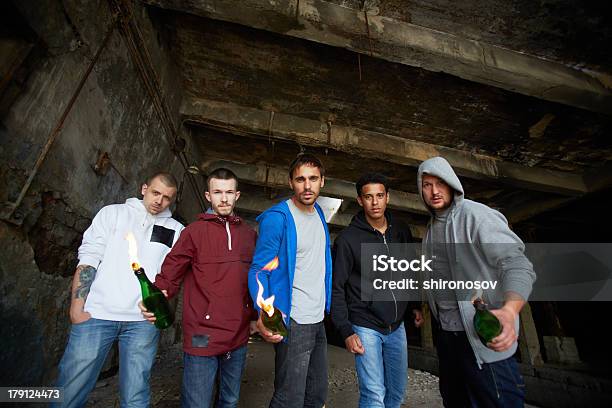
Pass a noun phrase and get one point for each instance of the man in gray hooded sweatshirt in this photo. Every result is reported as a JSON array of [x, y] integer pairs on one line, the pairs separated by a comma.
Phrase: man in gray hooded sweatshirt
[[470, 240]]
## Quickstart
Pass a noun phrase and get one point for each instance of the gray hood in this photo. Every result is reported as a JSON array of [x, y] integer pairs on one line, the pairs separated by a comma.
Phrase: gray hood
[[439, 167]]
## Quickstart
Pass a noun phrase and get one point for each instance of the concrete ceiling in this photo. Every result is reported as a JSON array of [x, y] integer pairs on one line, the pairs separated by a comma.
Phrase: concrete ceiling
[[439, 37], [502, 89]]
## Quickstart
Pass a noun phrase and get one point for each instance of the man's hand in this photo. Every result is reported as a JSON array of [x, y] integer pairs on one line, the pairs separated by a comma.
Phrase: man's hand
[[418, 317], [353, 344], [266, 334], [150, 317], [79, 315], [507, 337]]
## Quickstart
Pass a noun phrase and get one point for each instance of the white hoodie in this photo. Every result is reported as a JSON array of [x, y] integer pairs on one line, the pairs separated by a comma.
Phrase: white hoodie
[[115, 291]]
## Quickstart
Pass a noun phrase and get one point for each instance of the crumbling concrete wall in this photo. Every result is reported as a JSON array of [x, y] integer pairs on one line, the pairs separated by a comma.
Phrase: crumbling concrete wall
[[113, 113]]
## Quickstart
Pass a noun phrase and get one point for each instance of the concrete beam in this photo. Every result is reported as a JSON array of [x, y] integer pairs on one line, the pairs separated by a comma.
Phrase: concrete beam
[[530, 342], [410, 44], [275, 177], [599, 178], [532, 208], [253, 122]]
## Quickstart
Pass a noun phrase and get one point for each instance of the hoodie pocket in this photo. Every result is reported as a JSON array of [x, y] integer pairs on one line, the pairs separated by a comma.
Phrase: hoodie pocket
[[225, 281], [162, 235], [384, 312]]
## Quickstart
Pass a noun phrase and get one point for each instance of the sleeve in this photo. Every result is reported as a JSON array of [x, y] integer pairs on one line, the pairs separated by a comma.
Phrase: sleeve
[[176, 264], [271, 230], [95, 238], [343, 265], [503, 249]]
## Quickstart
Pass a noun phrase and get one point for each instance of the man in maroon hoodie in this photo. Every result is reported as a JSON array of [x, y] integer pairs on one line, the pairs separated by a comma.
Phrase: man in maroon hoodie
[[212, 257]]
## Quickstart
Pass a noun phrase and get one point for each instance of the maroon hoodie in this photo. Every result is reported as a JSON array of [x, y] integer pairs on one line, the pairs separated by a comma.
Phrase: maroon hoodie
[[212, 255]]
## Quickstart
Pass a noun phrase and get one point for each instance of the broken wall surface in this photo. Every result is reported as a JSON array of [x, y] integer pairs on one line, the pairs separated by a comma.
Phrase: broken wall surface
[[112, 113]]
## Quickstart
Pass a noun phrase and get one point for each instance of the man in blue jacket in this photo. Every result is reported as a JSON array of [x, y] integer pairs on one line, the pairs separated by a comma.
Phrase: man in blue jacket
[[295, 231]]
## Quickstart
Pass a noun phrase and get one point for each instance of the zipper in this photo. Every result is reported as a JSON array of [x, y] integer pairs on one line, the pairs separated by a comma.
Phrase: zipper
[[427, 242], [453, 261], [229, 235], [391, 273]]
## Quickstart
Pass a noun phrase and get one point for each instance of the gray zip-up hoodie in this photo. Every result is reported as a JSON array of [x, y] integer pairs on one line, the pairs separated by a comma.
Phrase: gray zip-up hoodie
[[469, 222]]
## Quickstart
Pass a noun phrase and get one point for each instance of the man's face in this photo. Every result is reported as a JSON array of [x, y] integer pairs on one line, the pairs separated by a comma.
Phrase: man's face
[[374, 200], [222, 195], [436, 193], [306, 183], [157, 196]]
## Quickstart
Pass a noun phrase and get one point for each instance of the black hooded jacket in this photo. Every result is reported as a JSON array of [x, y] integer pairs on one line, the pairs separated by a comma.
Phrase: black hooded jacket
[[348, 308]]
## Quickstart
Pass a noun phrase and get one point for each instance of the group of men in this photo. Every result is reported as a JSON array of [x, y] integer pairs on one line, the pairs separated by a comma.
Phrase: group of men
[[219, 260]]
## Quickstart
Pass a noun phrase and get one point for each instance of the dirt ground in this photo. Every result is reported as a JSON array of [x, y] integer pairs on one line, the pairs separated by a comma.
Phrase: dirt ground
[[257, 382]]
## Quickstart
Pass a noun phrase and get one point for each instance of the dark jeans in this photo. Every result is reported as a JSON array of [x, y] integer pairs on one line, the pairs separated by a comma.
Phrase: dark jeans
[[463, 384], [300, 378], [199, 379]]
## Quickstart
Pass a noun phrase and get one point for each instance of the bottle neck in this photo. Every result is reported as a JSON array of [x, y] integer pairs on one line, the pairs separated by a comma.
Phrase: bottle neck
[[141, 275], [480, 305]]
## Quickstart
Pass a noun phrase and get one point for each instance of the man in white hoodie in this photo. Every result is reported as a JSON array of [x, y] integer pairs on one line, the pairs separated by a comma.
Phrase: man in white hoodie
[[105, 295]]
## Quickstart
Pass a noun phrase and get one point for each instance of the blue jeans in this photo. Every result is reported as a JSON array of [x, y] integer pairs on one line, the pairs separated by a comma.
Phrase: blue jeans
[[383, 369], [463, 384], [87, 348], [199, 379]]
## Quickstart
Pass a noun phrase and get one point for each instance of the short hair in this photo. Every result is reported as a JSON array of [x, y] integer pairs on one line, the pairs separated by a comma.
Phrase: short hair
[[371, 178], [222, 174], [308, 160], [165, 177]]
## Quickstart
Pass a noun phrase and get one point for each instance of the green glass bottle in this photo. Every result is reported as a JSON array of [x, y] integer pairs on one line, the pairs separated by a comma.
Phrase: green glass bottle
[[275, 322], [487, 325], [154, 300]]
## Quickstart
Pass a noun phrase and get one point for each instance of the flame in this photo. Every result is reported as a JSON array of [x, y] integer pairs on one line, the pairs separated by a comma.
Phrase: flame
[[272, 265], [132, 250], [267, 305]]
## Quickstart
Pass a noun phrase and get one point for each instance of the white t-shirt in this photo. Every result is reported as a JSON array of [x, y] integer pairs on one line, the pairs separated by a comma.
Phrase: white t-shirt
[[308, 296]]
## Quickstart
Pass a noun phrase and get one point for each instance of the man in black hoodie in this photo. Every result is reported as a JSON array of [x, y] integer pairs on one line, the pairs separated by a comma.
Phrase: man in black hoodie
[[372, 330]]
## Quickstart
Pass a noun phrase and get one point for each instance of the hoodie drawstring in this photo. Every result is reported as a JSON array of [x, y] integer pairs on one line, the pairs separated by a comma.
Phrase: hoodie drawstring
[[229, 235]]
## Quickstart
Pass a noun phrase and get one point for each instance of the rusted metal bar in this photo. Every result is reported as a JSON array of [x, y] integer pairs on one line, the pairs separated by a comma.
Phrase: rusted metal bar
[[143, 62], [58, 127], [367, 23]]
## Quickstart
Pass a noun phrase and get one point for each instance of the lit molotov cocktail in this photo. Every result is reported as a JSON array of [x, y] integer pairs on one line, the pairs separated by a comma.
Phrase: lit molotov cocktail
[[271, 317], [152, 298]]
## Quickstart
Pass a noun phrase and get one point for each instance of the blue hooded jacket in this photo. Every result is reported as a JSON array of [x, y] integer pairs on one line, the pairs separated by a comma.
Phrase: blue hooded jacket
[[278, 237]]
